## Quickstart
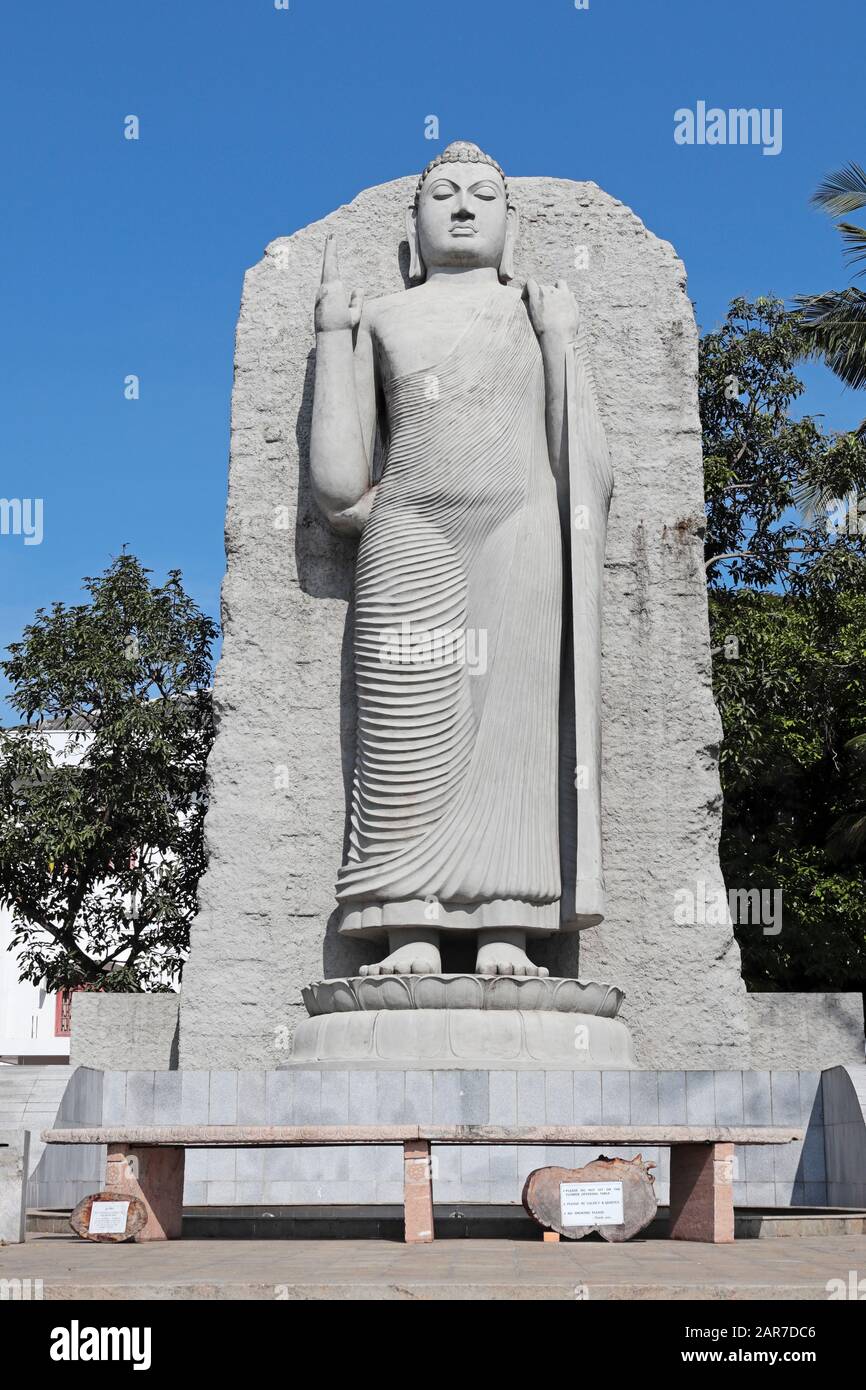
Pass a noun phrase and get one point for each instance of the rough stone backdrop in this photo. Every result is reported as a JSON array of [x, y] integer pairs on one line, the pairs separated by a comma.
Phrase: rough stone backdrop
[[281, 764]]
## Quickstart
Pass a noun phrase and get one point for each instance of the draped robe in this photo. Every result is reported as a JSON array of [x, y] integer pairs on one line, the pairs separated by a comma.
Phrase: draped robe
[[461, 818]]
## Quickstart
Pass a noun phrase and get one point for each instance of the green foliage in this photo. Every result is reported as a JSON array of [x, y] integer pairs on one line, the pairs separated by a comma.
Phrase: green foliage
[[761, 464], [790, 703], [788, 624], [100, 854]]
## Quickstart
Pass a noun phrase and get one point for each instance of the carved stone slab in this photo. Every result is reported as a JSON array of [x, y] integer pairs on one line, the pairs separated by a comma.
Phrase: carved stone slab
[[281, 1136], [277, 816], [543, 1196], [367, 993], [467, 1038]]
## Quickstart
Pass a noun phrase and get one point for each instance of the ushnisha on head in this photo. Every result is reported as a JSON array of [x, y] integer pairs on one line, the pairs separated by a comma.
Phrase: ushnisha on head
[[462, 217]]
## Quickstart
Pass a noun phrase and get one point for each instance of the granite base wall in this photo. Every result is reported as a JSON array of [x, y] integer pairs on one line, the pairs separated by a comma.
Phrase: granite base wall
[[778, 1175], [30, 1095], [63, 1176], [805, 1030], [139, 1032], [126, 1032]]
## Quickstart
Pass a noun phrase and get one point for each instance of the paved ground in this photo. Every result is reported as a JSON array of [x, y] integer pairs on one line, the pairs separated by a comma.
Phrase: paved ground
[[449, 1269]]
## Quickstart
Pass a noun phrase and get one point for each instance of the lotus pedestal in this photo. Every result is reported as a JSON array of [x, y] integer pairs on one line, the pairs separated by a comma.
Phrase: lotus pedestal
[[464, 1021]]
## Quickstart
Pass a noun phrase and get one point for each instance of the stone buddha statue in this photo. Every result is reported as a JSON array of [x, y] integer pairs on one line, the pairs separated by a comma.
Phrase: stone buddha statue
[[476, 798]]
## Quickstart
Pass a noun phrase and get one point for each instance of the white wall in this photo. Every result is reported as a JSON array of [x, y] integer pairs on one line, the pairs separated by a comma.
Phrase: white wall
[[27, 1013]]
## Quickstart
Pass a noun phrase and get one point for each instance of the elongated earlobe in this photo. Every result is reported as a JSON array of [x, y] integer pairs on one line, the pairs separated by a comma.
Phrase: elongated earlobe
[[506, 264], [417, 268]]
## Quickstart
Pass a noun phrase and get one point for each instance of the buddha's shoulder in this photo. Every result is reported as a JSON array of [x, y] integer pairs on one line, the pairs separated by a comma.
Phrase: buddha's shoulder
[[385, 304]]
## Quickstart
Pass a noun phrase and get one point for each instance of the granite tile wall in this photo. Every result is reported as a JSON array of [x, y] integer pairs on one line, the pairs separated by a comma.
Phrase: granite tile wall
[[778, 1175]]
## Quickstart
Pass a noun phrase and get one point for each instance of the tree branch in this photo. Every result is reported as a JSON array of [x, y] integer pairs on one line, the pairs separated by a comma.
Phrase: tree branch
[[729, 555]]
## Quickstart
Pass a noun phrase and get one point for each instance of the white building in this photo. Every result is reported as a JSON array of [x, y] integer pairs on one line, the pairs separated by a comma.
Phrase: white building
[[34, 1025]]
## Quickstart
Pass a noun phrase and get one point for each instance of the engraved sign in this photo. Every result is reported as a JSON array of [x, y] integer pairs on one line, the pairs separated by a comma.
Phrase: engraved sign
[[108, 1218], [591, 1203]]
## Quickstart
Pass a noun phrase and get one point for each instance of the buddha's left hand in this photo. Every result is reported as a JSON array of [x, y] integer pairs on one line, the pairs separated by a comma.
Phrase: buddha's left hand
[[553, 310]]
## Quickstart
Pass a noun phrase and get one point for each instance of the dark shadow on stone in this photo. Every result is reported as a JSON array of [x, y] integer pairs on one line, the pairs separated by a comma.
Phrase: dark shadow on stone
[[560, 953], [341, 956], [174, 1050], [812, 1158], [403, 260], [458, 953], [325, 561]]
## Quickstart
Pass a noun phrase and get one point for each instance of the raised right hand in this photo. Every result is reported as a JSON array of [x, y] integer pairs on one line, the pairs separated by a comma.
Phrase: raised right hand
[[335, 308], [552, 310]]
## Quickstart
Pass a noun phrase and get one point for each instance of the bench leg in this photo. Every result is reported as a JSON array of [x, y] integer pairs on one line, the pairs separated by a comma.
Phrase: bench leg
[[702, 1192], [155, 1175], [417, 1192]]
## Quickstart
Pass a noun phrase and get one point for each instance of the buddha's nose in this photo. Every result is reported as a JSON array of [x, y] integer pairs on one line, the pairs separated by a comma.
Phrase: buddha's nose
[[463, 214]]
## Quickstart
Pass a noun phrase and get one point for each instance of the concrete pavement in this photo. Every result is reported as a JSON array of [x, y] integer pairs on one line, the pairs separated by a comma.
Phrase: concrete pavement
[[447, 1270]]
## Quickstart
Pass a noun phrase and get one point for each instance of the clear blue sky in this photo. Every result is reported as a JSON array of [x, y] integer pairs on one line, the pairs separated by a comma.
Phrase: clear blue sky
[[127, 257]]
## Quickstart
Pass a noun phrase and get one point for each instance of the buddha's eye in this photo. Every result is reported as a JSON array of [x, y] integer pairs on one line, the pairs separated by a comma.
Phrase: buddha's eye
[[441, 190], [487, 192]]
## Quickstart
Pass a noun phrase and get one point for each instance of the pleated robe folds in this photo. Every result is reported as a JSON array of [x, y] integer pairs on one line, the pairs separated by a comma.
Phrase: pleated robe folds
[[457, 806]]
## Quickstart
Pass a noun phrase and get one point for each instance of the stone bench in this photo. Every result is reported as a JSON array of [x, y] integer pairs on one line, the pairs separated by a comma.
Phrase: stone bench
[[148, 1162]]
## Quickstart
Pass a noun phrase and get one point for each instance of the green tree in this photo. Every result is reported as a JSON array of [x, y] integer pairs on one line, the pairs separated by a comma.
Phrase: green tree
[[101, 851], [832, 325], [788, 621]]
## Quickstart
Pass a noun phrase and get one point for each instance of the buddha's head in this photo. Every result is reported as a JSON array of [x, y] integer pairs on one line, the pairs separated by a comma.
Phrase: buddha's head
[[463, 217]]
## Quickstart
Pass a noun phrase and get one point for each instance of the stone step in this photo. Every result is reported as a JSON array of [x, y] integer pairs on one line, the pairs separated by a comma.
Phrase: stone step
[[462, 1220]]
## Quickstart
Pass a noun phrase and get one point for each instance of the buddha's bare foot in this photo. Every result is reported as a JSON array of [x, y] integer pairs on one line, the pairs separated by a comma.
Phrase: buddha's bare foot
[[505, 958], [412, 958]]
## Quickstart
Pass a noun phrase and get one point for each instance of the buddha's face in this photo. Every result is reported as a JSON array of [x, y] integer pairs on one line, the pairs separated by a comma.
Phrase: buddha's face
[[462, 217]]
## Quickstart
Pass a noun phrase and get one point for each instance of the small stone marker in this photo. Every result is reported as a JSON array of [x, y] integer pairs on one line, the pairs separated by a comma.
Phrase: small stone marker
[[614, 1196], [108, 1216]]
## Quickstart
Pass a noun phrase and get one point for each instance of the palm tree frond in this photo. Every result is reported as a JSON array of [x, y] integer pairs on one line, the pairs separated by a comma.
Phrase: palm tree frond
[[813, 501], [833, 327], [844, 191], [847, 837], [834, 308], [855, 242]]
